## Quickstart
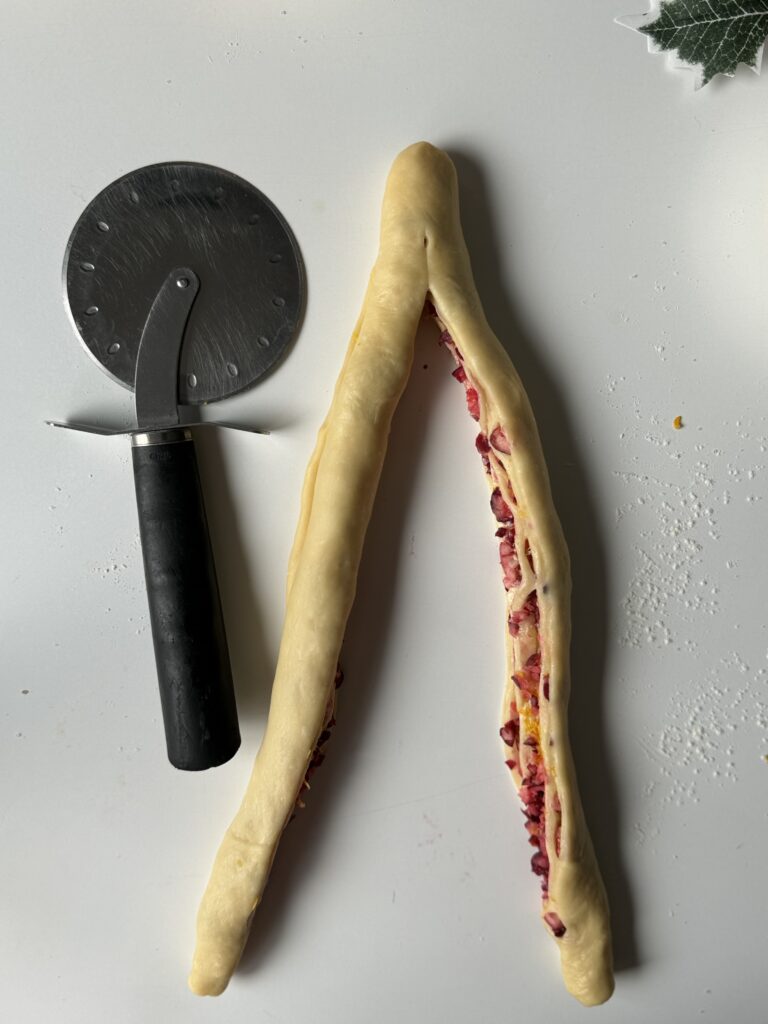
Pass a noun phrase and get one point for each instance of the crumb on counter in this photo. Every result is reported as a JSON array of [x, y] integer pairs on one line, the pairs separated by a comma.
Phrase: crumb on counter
[[677, 422]]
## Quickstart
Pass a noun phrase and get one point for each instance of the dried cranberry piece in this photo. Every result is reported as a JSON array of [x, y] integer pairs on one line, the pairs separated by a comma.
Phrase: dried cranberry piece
[[481, 443], [532, 671], [500, 441], [531, 795], [460, 374], [540, 863], [510, 732], [545, 687], [554, 922], [473, 403], [500, 508], [527, 683]]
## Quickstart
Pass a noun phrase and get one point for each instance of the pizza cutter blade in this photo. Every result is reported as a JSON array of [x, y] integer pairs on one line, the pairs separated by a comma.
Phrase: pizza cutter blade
[[186, 284]]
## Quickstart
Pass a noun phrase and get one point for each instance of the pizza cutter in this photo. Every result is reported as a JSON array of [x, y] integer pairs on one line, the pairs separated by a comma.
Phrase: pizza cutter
[[184, 283]]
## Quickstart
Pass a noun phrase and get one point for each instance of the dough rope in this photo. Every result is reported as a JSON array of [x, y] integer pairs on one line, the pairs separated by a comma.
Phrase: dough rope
[[422, 258]]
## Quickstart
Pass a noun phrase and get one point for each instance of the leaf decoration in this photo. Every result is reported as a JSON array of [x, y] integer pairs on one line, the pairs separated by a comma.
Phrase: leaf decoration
[[711, 36]]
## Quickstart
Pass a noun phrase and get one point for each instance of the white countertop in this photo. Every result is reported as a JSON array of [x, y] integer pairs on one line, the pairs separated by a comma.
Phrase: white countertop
[[618, 229]]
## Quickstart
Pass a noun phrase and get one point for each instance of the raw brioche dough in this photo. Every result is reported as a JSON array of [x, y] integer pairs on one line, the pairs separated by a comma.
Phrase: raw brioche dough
[[422, 254]]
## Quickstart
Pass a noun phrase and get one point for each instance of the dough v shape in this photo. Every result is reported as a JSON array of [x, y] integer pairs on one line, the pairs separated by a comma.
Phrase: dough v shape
[[422, 260]]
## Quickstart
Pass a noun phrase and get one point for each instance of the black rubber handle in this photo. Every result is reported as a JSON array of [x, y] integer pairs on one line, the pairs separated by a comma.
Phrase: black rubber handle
[[193, 668]]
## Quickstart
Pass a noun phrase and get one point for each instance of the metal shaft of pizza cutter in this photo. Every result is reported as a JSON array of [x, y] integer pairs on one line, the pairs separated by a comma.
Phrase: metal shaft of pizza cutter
[[193, 665]]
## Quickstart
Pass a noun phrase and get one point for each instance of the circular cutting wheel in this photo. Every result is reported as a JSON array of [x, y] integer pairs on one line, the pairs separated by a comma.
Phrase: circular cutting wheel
[[169, 215]]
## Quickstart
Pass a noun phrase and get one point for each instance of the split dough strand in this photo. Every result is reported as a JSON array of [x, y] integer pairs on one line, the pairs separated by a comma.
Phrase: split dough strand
[[422, 254]]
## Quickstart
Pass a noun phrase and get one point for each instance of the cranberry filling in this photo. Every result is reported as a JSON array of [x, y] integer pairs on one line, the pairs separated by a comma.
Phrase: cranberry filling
[[529, 681], [473, 398], [512, 573], [529, 613], [532, 795], [318, 754]]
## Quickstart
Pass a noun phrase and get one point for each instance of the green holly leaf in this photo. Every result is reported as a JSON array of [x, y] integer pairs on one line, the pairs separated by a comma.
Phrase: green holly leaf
[[711, 36]]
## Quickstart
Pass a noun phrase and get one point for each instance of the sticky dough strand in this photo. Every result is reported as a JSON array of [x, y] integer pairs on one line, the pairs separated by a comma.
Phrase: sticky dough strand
[[421, 253]]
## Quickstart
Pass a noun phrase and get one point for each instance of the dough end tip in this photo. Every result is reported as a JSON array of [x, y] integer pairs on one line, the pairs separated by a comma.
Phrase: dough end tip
[[203, 985]]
